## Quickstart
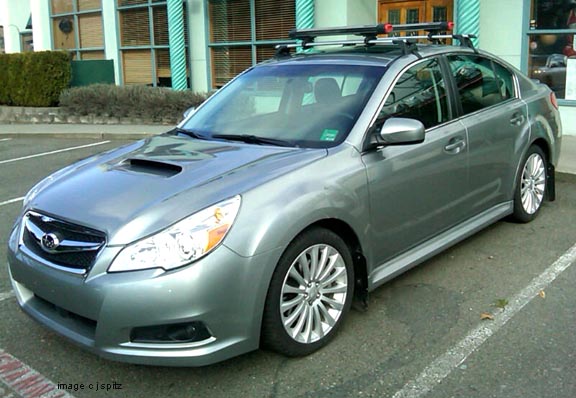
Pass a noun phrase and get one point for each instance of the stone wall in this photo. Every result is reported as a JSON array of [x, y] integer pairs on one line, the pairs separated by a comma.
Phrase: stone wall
[[31, 115]]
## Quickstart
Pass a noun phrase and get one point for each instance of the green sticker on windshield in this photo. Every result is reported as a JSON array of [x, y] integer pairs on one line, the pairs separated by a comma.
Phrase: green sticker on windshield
[[329, 135]]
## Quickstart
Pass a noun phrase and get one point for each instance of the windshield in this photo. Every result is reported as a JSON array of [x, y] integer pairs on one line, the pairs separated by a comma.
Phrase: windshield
[[312, 106]]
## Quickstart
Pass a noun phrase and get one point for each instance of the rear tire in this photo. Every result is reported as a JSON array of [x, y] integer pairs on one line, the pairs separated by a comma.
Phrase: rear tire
[[531, 185], [309, 295]]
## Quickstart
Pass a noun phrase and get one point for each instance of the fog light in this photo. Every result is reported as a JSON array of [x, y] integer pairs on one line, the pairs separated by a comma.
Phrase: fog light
[[188, 332]]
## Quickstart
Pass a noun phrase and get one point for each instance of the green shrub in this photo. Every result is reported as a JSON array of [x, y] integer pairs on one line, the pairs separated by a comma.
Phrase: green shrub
[[155, 103], [34, 78]]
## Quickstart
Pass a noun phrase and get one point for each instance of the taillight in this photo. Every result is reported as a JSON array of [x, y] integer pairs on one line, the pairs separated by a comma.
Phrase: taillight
[[553, 100]]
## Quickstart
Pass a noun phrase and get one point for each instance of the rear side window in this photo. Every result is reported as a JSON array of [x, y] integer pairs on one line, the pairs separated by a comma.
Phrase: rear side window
[[481, 83], [506, 81], [419, 93]]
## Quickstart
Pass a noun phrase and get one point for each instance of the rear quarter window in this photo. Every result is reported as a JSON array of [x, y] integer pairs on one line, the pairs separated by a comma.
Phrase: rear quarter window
[[481, 82]]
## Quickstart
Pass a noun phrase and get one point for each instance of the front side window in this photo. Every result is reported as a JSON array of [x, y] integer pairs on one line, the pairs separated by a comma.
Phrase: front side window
[[304, 105], [552, 45], [419, 93], [477, 83]]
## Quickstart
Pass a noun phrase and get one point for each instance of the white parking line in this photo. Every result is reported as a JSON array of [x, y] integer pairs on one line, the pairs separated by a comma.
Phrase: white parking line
[[53, 152], [6, 295], [7, 202], [443, 365], [5, 139], [25, 381]]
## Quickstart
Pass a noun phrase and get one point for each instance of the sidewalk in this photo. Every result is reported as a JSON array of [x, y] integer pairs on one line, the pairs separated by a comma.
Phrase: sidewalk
[[567, 162]]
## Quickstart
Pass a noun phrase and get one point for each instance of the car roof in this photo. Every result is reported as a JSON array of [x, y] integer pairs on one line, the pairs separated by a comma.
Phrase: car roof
[[377, 55]]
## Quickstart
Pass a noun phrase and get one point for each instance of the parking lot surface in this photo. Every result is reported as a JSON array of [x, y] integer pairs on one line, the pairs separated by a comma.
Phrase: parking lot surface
[[422, 334]]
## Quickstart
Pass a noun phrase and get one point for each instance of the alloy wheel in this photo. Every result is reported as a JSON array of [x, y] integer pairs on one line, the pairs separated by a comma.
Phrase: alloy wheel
[[533, 183], [313, 294]]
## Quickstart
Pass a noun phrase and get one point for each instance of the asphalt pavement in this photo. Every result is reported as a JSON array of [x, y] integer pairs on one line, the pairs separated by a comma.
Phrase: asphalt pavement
[[129, 131], [423, 333]]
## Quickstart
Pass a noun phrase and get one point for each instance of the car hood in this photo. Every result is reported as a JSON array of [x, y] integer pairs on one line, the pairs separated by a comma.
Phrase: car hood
[[134, 191]]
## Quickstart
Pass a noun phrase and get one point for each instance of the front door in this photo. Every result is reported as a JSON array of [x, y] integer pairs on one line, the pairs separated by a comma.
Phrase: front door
[[417, 191], [405, 12]]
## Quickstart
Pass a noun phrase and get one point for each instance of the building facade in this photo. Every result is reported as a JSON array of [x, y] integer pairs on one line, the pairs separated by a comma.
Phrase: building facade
[[201, 44]]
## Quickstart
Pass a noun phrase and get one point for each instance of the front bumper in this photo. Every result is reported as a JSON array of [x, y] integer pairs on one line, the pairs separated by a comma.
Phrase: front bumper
[[224, 291]]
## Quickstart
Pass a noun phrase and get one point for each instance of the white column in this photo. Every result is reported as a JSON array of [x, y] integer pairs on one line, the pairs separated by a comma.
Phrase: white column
[[15, 17], [501, 28], [362, 12], [198, 45], [330, 13], [111, 37], [345, 12], [41, 30]]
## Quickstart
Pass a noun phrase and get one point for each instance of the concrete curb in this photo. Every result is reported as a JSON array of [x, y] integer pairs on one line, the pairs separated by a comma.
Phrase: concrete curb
[[89, 131], [95, 136]]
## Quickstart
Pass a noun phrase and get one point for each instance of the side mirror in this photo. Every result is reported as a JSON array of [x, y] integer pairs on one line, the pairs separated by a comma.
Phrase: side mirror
[[189, 111], [401, 131]]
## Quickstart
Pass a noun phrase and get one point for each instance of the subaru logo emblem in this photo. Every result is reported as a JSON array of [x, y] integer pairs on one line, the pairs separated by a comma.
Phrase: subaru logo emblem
[[50, 242]]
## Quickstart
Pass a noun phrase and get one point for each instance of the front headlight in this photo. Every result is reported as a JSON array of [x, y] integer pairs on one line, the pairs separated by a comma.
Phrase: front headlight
[[183, 242]]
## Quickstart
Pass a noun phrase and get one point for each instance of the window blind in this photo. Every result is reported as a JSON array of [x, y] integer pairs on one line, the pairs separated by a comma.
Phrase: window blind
[[274, 19], [62, 6], [134, 27], [227, 62], [87, 5], [160, 20], [137, 66], [90, 30], [63, 41], [230, 20]]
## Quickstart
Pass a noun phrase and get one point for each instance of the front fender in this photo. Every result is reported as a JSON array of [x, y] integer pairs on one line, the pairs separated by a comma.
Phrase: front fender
[[273, 214]]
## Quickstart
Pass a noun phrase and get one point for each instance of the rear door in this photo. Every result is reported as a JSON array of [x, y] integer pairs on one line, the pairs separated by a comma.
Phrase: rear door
[[417, 191], [497, 125]]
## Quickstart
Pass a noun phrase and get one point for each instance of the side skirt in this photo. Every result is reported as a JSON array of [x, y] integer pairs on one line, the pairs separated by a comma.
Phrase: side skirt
[[437, 244]]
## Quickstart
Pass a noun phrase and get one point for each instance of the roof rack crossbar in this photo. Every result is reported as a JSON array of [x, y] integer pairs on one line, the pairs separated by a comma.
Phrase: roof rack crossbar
[[371, 41], [426, 26], [361, 30], [368, 31]]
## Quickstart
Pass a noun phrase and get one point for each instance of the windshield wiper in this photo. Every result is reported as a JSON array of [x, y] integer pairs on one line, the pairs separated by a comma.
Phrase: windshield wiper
[[253, 139], [189, 133]]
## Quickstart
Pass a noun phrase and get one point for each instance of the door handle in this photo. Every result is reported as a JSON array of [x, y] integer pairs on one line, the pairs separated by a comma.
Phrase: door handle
[[455, 145], [517, 119]]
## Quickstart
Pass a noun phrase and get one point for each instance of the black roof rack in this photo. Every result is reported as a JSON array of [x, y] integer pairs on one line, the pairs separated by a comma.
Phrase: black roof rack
[[370, 34]]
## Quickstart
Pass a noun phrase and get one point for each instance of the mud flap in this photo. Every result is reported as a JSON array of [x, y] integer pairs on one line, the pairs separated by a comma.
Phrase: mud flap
[[551, 186]]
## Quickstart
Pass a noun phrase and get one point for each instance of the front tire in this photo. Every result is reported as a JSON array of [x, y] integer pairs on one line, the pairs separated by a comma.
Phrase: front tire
[[309, 295], [531, 186]]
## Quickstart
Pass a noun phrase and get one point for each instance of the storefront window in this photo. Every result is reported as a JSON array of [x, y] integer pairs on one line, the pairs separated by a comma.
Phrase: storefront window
[[244, 32], [77, 27], [26, 42], [144, 41], [551, 45]]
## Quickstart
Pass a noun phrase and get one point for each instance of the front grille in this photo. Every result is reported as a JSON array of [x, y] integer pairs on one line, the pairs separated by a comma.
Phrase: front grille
[[78, 248]]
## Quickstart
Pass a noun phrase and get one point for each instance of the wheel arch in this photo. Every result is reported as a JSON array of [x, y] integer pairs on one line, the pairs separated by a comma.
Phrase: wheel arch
[[550, 169], [347, 233]]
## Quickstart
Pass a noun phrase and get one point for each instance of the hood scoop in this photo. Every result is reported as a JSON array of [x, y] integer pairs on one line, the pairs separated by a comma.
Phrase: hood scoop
[[153, 167]]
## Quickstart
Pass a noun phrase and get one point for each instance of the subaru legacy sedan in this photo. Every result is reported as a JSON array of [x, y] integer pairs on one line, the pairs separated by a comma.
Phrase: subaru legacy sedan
[[302, 185]]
